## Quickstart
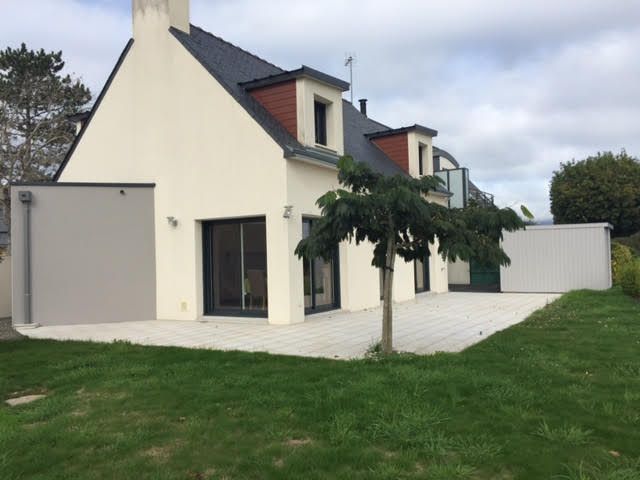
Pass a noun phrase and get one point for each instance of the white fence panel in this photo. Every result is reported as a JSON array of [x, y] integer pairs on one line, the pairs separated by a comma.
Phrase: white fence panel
[[557, 258]]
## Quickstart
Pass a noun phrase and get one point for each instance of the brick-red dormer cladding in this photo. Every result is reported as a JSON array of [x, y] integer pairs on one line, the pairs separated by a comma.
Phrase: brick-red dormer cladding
[[396, 147], [280, 100]]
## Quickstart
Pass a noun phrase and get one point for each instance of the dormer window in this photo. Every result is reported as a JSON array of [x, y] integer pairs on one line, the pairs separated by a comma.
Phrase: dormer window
[[320, 116], [307, 103], [408, 147]]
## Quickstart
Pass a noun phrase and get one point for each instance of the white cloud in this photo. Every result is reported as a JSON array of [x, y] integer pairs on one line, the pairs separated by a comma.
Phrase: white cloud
[[91, 35], [513, 87]]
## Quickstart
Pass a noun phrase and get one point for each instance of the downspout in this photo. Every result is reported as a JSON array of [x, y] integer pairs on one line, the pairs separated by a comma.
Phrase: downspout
[[26, 197]]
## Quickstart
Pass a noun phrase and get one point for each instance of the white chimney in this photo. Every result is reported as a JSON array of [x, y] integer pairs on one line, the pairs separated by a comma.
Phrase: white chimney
[[159, 15]]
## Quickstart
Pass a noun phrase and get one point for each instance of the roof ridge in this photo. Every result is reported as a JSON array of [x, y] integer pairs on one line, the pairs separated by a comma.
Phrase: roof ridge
[[237, 47]]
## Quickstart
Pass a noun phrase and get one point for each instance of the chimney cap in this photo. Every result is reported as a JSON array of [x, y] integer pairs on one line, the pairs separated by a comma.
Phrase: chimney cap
[[363, 105]]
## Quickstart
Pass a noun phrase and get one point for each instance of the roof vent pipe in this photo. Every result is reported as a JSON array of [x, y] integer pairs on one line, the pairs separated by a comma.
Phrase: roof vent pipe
[[363, 106]]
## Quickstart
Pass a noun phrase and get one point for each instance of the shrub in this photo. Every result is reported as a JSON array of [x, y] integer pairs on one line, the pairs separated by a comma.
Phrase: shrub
[[621, 255], [630, 278], [632, 241]]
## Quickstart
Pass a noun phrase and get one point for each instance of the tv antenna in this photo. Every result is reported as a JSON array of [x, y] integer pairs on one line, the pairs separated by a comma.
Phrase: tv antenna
[[349, 60]]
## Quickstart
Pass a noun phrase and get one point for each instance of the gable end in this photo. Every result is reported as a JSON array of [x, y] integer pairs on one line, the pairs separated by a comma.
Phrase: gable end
[[95, 107]]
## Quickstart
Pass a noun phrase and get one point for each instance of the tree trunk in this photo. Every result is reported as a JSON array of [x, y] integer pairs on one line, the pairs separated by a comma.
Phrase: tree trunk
[[387, 309]]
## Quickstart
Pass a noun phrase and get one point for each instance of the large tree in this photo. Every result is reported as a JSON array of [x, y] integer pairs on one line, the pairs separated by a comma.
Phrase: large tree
[[392, 213], [35, 100], [602, 188]]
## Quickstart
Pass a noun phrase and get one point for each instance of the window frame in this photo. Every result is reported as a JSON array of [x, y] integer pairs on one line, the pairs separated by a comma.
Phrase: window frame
[[209, 309], [336, 279], [426, 275], [321, 129]]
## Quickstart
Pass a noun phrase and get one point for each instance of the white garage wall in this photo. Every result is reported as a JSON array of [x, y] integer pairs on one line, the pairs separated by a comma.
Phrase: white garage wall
[[557, 258]]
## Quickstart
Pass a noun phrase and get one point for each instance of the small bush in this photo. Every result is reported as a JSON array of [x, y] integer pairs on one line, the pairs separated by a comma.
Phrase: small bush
[[632, 241], [621, 255], [630, 278]]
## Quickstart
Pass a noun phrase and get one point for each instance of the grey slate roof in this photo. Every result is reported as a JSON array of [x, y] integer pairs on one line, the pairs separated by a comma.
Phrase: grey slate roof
[[232, 66], [356, 144]]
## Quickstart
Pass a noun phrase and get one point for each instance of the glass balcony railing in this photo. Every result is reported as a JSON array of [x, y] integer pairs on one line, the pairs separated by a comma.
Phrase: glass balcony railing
[[463, 191]]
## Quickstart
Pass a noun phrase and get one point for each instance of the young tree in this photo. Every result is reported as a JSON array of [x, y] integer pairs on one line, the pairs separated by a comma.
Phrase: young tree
[[603, 188], [392, 213], [35, 100]]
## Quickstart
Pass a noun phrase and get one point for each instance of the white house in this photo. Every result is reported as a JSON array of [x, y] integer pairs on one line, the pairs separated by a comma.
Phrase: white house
[[236, 151]]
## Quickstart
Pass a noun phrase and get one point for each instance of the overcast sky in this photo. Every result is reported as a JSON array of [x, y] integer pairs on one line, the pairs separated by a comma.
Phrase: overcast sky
[[513, 87]]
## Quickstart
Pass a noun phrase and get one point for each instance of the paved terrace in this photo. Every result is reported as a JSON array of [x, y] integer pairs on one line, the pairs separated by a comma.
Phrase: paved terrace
[[433, 322]]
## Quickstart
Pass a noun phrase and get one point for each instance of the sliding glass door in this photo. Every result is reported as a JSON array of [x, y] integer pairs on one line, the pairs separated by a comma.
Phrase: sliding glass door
[[321, 279], [235, 267], [422, 275]]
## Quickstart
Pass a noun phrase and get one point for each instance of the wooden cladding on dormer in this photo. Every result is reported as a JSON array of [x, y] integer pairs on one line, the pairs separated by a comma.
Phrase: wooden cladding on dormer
[[396, 147], [280, 101]]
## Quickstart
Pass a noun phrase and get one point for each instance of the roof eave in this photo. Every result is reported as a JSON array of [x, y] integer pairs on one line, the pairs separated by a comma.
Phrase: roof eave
[[440, 193], [312, 155], [303, 71], [397, 131]]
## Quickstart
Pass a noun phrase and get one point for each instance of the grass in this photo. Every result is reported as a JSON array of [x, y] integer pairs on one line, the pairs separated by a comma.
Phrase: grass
[[556, 397]]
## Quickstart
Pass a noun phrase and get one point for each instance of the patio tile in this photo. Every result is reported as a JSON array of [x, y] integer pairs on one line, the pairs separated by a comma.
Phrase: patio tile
[[430, 323]]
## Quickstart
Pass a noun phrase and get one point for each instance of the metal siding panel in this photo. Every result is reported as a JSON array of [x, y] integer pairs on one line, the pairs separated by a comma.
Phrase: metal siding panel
[[557, 259]]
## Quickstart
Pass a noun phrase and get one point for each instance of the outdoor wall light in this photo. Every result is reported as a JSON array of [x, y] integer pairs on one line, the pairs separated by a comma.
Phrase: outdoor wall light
[[287, 211], [173, 221]]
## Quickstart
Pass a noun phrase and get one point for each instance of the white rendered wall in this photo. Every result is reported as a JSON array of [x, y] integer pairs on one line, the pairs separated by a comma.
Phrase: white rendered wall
[[307, 91], [208, 158], [417, 140]]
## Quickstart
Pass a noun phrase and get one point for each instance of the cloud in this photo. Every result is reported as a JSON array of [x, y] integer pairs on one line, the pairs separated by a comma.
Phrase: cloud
[[91, 35], [514, 88]]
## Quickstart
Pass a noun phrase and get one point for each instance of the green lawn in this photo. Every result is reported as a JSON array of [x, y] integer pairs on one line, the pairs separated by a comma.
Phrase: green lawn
[[557, 396]]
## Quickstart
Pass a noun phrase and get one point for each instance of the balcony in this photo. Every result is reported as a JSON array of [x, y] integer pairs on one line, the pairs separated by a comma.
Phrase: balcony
[[481, 198], [463, 191]]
